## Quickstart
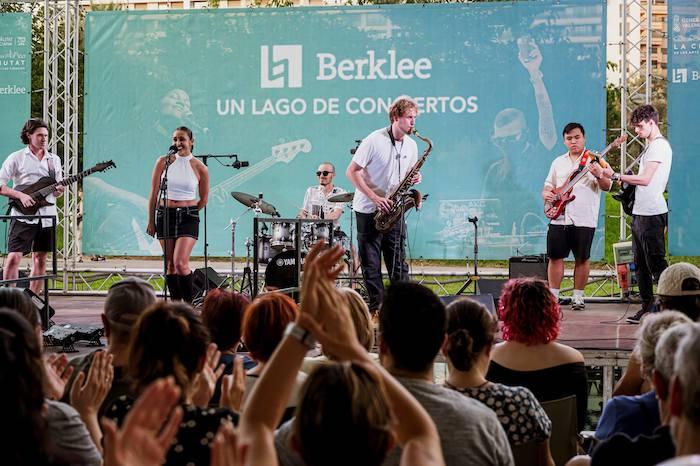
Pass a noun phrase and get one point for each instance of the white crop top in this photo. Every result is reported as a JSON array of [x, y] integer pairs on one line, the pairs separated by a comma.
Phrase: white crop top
[[182, 181]]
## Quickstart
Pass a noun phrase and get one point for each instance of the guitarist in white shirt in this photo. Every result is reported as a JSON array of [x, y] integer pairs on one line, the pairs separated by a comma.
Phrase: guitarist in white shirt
[[650, 211], [23, 167], [573, 230]]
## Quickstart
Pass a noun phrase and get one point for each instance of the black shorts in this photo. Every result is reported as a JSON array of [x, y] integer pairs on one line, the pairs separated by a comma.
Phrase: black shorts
[[563, 239], [29, 237], [182, 221]]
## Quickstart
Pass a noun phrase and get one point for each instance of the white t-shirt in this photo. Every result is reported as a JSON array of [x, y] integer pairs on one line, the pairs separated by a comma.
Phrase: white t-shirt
[[649, 199], [381, 160], [316, 196], [23, 168], [582, 211]]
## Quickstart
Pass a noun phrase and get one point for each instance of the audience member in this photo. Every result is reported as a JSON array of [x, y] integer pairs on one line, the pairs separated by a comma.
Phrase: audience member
[[222, 313], [639, 414], [412, 326], [529, 356], [362, 323], [38, 430], [678, 290], [471, 333], [169, 340], [126, 301], [685, 395], [264, 323]]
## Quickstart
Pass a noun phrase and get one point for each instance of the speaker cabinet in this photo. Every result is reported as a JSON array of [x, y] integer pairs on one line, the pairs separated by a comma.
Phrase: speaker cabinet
[[528, 266], [39, 303], [204, 275]]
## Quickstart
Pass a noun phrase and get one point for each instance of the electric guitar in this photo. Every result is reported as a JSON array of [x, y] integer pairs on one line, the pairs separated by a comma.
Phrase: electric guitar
[[47, 185], [563, 194]]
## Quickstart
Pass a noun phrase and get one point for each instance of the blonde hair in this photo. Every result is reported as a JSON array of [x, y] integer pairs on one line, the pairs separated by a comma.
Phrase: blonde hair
[[359, 312], [650, 332]]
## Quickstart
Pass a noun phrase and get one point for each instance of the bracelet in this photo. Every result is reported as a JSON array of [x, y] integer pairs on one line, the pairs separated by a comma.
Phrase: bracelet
[[300, 333]]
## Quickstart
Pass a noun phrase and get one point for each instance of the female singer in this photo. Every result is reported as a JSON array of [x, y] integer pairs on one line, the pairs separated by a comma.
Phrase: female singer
[[186, 176]]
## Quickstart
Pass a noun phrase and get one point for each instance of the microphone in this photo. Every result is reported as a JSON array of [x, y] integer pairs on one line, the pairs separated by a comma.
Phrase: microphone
[[173, 150], [473, 219], [240, 164]]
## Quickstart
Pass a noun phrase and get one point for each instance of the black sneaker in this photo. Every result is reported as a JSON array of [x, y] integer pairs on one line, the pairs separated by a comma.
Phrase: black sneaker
[[635, 319]]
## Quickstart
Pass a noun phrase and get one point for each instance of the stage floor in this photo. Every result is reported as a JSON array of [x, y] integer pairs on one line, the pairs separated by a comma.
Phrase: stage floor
[[600, 327]]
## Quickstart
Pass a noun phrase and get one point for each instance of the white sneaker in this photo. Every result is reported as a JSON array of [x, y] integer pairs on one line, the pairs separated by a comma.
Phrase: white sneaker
[[577, 303]]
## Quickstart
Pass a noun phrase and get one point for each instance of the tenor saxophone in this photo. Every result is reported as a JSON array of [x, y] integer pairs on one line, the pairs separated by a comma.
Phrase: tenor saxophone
[[402, 197]]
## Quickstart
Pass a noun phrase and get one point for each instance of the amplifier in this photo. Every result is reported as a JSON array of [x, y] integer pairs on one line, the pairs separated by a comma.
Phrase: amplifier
[[528, 266]]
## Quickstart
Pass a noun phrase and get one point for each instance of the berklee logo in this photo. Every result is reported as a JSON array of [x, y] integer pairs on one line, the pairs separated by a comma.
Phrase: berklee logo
[[680, 75], [282, 65]]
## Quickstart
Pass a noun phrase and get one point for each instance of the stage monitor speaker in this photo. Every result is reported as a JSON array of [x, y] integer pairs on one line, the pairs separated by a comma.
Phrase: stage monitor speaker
[[528, 266], [485, 299], [23, 283], [204, 275], [39, 303], [491, 286]]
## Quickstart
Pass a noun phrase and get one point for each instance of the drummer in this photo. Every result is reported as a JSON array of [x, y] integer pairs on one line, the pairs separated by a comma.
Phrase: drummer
[[316, 203]]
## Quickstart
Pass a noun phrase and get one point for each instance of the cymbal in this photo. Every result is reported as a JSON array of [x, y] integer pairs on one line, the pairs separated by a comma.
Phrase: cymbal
[[253, 202], [344, 197]]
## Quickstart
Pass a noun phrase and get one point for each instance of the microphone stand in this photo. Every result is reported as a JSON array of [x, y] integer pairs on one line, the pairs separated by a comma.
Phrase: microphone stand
[[237, 165], [164, 198], [475, 277]]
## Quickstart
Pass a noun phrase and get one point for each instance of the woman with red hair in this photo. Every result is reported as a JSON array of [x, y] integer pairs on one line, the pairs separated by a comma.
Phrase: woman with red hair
[[529, 356]]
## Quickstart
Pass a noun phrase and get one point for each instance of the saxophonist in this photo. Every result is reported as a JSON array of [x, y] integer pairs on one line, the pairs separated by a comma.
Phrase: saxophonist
[[379, 165]]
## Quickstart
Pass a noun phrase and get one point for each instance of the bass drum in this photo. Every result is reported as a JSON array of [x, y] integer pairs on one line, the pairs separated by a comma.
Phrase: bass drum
[[281, 271]]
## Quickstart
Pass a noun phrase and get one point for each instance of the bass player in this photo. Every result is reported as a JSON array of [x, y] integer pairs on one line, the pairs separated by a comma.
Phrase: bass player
[[573, 230], [23, 167], [379, 165]]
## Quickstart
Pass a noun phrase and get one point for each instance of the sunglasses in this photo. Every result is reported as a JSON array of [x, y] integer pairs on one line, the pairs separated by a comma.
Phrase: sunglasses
[[324, 173]]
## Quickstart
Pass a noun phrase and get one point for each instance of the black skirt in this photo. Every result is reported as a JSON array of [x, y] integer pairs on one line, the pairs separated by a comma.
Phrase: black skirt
[[182, 221]]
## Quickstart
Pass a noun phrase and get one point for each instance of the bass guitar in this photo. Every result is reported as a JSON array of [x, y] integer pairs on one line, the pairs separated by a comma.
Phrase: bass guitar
[[563, 194], [47, 185]]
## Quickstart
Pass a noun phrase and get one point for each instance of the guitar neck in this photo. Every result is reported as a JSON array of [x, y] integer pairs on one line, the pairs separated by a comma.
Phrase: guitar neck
[[66, 181], [585, 169]]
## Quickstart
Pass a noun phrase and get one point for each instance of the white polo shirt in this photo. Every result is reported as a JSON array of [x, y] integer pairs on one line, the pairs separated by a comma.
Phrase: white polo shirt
[[22, 168], [384, 166], [582, 211], [649, 199]]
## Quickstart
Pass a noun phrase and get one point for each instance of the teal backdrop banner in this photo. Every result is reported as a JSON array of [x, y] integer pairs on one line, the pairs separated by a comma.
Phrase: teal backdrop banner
[[683, 114], [15, 85], [287, 89]]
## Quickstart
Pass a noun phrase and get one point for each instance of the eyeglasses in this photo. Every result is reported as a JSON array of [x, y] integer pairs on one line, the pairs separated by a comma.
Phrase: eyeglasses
[[324, 173]]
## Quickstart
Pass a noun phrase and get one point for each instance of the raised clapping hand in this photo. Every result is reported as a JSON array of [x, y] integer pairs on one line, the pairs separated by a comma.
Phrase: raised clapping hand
[[233, 387], [323, 311], [205, 382], [148, 429], [88, 392], [58, 373], [226, 450]]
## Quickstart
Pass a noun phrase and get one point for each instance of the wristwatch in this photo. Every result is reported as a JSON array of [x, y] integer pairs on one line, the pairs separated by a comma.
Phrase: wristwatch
[[300, 333], [615, 177]]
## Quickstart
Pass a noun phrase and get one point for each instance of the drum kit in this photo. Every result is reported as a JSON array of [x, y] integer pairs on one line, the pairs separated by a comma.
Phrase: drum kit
[[277, 240]]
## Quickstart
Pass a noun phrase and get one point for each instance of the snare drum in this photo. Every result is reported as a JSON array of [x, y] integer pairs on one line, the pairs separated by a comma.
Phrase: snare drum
[[282, 235]]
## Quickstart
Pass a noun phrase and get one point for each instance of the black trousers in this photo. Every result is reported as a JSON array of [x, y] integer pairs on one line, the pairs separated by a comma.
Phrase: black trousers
[[372, 244], [649, 249]]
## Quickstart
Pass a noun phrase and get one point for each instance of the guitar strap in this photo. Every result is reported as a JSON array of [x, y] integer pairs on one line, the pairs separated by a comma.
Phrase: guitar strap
[[582, 161], [52, 168]]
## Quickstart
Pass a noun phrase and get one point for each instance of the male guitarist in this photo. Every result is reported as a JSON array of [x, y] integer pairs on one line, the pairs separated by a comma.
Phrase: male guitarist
[[573, 230], [650, 212], [25, 167]]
